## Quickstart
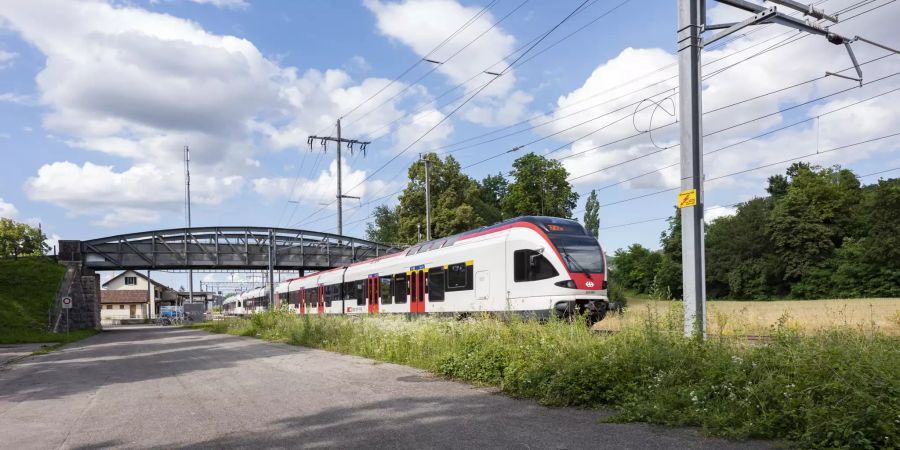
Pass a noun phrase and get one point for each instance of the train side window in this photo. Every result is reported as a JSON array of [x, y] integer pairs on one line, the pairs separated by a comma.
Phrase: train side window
[[360, 292], [529, 265], [436, 284], [457, 276], [400, 291], [386, 284]]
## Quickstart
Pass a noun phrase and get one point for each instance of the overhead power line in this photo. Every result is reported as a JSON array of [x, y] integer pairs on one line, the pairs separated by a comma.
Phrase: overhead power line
[[755, 119], [728, 175], [450, 114], [437, 64], [462, 27]]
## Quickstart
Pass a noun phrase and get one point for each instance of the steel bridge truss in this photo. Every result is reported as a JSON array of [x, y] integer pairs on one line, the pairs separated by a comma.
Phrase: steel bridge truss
[[222, 248]]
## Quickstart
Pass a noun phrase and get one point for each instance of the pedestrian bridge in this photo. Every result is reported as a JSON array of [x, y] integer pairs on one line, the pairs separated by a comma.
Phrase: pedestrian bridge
[[221, 248]]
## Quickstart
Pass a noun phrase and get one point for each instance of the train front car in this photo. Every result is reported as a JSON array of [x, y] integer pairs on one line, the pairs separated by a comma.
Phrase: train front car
[[557, 261]]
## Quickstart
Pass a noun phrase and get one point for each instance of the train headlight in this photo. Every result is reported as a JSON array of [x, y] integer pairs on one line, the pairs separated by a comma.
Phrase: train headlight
[[566, 284]]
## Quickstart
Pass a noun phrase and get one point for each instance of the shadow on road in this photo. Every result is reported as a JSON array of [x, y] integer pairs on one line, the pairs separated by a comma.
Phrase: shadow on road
[[475, 421], [126, 356]]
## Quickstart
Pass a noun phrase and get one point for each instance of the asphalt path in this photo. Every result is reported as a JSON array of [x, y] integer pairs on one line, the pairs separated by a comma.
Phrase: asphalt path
[[154, 387]]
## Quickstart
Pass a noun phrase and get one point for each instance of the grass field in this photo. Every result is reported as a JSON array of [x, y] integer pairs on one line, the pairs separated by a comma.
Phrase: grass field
[[27, 287], [738, 318]]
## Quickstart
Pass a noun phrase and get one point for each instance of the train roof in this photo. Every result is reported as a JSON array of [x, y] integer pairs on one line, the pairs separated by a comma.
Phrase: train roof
[[545, 223]]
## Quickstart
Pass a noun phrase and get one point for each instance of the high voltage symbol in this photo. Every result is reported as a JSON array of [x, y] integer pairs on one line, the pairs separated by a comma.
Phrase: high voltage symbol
[[687, 198]]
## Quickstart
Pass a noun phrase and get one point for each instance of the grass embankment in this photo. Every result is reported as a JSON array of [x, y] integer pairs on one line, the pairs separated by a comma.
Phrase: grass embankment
[[830, 388], [759, 318], [27, 289]]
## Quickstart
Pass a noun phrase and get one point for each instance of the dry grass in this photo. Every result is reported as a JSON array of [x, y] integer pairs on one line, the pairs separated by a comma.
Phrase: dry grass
[[730, 317]]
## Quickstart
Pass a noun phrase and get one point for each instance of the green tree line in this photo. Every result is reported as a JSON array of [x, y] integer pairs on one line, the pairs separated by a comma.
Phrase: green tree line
[[818, 234], [535, 186]]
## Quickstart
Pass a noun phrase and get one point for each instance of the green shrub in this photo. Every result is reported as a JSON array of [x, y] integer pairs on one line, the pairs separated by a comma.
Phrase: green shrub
[[836, 388]]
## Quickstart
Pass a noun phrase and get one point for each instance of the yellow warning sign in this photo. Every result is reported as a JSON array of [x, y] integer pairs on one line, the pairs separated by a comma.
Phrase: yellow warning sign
[[687, 198]]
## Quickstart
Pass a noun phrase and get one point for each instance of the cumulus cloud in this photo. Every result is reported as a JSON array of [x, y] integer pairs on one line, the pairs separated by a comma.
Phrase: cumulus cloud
[[123, 197], [482, 46], [167, 83], [8, 210], [716, 212], [230, 4], [10, 97], [614, 109], [6, 58], [323, 188]]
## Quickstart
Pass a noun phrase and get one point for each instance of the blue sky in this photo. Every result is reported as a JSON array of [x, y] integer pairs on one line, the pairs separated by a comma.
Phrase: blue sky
[[97, 100]]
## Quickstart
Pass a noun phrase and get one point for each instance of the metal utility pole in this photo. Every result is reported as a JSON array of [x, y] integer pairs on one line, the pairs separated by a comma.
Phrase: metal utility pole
[[427, 198], [152, 302], [187, 202], [691, 14], [340, 193], [272, 251], [691, 26]]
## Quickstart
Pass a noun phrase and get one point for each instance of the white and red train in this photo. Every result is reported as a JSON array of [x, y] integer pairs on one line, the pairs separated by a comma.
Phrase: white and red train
[[534, 266]]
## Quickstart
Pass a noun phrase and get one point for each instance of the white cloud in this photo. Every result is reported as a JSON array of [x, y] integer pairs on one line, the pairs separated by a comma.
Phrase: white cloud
[[416, 125], [806, 59], [8, 210], [230, 4], [716, 212], [6, 58], [11, 97], [53, 242], [166, 83], [422, 25], [499, 112], [123, 197], [358, 64], [323, 188], [128, 216]]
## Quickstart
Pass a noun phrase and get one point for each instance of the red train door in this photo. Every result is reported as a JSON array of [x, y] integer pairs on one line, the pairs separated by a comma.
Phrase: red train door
[[302, 306], [422, 291], [373, 292], [413, 292], [417, 291], [321, 299]]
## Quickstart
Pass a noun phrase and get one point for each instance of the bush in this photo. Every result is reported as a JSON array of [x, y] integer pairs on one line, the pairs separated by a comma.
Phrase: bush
[[837, 388]]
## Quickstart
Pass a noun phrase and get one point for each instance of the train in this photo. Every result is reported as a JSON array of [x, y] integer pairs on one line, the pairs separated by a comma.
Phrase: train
[[533, 266]]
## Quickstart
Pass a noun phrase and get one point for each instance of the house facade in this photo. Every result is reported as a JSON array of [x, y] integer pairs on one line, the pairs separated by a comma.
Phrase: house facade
[[127, 297]]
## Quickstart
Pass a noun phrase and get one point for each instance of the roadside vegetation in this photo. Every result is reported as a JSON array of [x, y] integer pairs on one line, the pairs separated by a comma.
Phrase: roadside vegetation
[[27, 288], [837, 387]]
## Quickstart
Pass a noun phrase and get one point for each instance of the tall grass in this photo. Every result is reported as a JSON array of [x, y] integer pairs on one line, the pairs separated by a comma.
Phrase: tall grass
[[831, 388]]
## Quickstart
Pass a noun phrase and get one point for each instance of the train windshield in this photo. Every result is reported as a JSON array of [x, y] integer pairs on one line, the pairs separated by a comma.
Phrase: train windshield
[[581, 253]]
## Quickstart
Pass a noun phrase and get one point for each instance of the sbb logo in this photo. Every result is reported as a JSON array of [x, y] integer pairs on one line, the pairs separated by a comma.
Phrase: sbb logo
[[589, 284]]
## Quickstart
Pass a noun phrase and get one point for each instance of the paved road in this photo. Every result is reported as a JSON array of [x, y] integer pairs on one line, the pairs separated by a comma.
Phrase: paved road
[[174, 388]]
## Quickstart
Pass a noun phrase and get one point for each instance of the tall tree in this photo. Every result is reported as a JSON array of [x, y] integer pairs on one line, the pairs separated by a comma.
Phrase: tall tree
[[386, 228], [740, 261], [493, 189], [19, 239], [457, 204], [809, 222], [539, 187], [668, 281], [592, 214]]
